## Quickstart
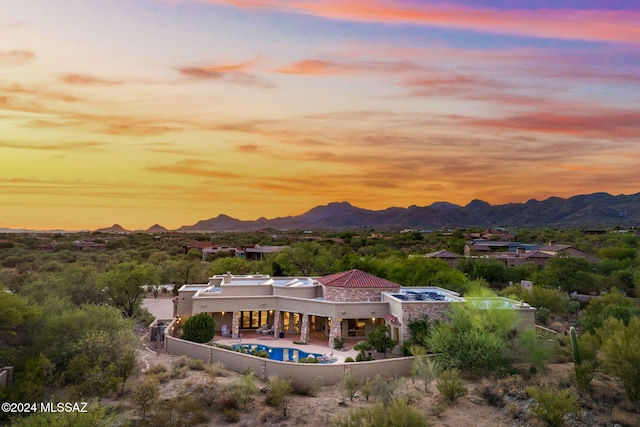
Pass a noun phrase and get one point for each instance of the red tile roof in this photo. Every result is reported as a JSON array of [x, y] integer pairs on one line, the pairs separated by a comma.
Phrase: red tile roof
[[356, 279]]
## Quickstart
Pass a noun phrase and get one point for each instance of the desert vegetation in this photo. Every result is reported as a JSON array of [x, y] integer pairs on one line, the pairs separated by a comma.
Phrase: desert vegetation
[[72, 327]]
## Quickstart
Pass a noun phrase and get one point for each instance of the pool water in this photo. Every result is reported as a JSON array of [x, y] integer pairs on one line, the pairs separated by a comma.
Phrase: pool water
[[277, 353]]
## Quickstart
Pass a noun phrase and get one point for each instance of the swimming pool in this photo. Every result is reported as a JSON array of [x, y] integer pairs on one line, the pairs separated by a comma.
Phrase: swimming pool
[[277, 353]]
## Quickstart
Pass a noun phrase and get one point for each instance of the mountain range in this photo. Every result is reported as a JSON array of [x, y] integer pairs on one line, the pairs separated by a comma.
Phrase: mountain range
[[591, 210], [583, 211]]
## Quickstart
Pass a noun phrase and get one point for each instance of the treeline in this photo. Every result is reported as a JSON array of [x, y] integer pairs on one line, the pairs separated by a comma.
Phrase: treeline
[[67, 317]]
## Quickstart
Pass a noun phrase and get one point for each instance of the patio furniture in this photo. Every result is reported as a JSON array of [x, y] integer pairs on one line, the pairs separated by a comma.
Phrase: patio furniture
[[262, 328]]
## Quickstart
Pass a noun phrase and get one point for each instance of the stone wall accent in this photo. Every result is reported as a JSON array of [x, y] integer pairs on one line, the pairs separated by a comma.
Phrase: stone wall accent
[[277, 321], [304, 328], [337, 294], [416, 310], [335, 331], [235, 323]]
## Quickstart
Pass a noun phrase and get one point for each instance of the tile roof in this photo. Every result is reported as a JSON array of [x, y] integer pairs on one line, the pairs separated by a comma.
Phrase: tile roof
[[356, 279], [442, 254]]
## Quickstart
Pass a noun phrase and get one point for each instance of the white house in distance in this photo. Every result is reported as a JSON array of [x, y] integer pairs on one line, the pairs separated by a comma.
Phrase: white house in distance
[[349, 304]]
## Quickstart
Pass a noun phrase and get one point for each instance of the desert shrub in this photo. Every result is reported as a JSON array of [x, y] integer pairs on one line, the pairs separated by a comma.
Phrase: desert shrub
[[207, 392], [492, 393], [536, 351], [266, 414], [425, 369], [338, 343], [180, 362], [473, 349], [542, 315], [278, 392], [180, 411], [361, 357], [348, 359], [199, 328], [261, 353], [196, 365], [552, 406], [398, 414], [367, 389], [310, 359], [243, 388], [348, 384], [384, 389], [450, 385], [215, 369], [157, 369], [621, 353], [230, 415], [179, 371], [307, 388], [229, 401], [515, 410]]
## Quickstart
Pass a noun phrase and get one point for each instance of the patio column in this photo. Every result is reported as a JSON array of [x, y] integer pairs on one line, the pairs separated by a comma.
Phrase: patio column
[[277, 321], [335, 331], [304, 329], [235, 323]]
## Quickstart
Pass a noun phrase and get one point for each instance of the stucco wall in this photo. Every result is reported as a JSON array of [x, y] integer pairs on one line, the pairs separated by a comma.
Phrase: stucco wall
[[302, 372]]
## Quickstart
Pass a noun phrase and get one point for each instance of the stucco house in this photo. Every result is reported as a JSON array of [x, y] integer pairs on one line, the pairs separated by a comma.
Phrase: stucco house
[[348, 304]]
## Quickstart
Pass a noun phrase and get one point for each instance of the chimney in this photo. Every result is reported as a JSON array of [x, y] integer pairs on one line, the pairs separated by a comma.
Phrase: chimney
[[227, 277], [552, 242], [521, 251]]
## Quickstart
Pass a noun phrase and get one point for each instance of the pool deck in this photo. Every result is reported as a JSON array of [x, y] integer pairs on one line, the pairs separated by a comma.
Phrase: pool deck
[[317, 344]]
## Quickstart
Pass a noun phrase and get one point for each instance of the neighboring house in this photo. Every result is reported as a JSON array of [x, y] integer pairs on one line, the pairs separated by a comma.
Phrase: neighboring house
[[515, 254], [252, 252], [349, 304], [87, 245], [449, 257]]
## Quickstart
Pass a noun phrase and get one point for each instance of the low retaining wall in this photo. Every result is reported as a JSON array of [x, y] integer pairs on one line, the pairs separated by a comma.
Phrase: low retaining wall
[[302, 372]]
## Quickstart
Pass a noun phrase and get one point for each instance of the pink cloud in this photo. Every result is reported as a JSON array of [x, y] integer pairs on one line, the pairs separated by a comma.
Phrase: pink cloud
[[597, 25]]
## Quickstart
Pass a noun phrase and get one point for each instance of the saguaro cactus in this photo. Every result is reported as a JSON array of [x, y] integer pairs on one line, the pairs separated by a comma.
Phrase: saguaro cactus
[[574, 344]]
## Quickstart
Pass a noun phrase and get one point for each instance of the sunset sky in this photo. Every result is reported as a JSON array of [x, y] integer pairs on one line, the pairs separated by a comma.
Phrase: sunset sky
[[171, 111]]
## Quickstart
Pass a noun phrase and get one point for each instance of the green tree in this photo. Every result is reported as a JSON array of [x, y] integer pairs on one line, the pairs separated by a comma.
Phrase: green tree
[[125, 284], [380, 340], [145, 395], [536, 352], [474, 338], [612, 304], [199, 328], [621, 353], [569, 274]]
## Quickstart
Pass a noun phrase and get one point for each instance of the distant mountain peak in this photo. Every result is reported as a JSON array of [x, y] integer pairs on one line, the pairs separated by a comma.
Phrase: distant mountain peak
[[444, 205], [478, 204], [115, 228], [156, 228]]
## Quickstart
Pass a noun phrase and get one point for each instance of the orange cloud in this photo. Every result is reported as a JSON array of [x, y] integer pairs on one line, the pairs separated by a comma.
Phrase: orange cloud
[[89, 145], [234, 73], [596, 25], [16, 57], [87, 80], [326, 67]]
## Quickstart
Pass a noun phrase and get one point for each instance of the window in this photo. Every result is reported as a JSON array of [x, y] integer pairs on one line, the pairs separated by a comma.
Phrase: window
[[355, 328]]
